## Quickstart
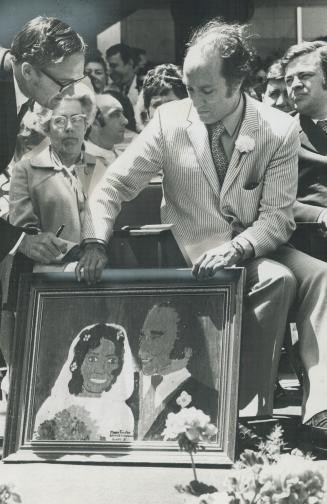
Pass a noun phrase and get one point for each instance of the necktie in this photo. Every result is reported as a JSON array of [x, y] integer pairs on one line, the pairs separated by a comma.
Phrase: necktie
[[28, 105], [322, 125], [156, 380], [217, 150]]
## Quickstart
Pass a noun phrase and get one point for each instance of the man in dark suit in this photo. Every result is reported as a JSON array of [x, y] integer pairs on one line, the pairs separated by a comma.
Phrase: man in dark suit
[[46, 58], [306, 80], [170, 339]]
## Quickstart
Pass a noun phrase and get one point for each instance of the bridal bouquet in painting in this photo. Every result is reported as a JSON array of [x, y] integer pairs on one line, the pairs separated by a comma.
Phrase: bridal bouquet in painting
[[266, 476], [8, 496]]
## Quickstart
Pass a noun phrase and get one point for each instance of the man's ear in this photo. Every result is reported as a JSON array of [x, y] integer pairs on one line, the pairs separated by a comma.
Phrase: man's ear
[[28, 72]]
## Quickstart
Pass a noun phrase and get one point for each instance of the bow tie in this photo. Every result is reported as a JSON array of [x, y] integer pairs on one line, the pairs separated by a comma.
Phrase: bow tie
[[156, 380]]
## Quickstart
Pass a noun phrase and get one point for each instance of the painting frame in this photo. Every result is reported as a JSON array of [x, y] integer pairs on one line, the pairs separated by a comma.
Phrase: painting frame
[[38, 291]]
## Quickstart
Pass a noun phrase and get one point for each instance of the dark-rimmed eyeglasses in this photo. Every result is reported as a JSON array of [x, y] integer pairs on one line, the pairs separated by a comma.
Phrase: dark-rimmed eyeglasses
[[62, 86]]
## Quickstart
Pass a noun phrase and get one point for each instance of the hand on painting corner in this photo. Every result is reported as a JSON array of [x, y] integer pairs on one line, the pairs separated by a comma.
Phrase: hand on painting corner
[[214, 260], [42, 248], [91, 264]]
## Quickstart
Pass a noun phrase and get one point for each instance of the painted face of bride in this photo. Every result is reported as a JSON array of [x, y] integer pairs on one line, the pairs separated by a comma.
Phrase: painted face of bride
[[98, 366]]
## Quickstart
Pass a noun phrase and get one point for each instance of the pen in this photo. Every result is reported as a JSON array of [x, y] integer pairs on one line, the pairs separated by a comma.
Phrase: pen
[[60, 230]]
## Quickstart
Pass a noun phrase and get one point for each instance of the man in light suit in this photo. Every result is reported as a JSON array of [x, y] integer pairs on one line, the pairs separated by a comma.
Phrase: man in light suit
[[230, 198], [306, 80]]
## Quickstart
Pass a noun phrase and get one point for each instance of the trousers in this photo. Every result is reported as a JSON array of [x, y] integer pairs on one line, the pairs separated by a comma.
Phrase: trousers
[[285, 279]]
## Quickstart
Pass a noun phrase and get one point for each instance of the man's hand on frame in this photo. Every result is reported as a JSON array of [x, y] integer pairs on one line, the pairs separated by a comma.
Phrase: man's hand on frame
[[216, 259], [91, 264]]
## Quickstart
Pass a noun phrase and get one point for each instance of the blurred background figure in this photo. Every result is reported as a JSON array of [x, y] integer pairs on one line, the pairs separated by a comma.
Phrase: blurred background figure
[[107, 130], [161, 85], [275, 94], [122, 70], [96, 69]]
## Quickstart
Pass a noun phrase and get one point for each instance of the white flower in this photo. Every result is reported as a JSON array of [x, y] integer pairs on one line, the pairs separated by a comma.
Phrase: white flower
[[73, 367], [189, 421], [244, 143], [86, 337], [184, 399]]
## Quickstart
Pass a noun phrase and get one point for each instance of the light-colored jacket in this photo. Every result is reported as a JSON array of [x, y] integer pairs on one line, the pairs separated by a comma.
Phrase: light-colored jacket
[[43, 197], [256, 200]]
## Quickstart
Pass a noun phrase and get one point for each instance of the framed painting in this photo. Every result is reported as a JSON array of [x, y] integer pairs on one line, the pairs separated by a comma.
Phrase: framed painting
[[98, 369]]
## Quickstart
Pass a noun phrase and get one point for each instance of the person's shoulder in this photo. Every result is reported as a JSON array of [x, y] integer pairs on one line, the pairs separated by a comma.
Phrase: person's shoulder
[[175, 111], [277, 121]]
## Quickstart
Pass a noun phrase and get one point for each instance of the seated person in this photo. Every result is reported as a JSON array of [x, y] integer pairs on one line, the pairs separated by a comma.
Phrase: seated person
[[50, 189], [275, 93], [96, 68], [107, 130], [162, 84], [305, 76]]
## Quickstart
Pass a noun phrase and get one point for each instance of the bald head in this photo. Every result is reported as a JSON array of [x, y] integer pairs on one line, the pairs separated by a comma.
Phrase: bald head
[[109, 125]]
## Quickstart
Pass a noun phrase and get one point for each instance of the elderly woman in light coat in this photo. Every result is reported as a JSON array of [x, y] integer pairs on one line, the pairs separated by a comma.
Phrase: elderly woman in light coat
[[50, 190]]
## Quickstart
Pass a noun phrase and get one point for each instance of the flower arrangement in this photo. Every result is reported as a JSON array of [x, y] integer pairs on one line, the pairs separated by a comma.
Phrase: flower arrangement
[[270, 477], [244, 144], [191, 427], [71, 424], [8, 496]]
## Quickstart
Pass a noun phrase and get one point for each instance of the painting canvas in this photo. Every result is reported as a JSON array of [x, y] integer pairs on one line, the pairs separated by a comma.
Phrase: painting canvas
[[98, 369]]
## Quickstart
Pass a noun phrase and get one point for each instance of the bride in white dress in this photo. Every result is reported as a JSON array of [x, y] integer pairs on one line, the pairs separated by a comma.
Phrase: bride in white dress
[[88, 399]]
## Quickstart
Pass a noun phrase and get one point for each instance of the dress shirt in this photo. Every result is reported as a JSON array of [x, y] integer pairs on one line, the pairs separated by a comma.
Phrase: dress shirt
[[169, 384]]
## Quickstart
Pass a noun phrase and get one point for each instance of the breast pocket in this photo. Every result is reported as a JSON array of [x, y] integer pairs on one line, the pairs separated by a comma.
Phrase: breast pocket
[[250, 196]]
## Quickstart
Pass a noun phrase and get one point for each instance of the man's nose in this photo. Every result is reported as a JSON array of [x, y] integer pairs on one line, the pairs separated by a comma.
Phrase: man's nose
[[280, 100], [296, 82], [124, 120]]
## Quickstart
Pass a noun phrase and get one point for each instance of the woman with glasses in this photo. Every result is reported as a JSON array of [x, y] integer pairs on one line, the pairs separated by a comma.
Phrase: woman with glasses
[[48, 191]]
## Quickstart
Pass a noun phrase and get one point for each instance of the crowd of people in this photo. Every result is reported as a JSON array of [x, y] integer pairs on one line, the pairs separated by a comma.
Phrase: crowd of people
[[240, 168]]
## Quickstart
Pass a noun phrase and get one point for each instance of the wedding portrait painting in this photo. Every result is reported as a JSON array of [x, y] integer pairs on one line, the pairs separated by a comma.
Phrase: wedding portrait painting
[[109, 367]]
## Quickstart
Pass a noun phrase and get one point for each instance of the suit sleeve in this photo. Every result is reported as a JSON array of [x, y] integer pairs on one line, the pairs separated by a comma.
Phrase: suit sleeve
[[123, 180], [275, 222], [9, 237], [21, 209]]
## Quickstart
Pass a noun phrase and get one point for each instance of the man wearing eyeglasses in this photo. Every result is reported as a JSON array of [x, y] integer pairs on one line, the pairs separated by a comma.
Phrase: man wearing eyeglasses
[[46, 59]]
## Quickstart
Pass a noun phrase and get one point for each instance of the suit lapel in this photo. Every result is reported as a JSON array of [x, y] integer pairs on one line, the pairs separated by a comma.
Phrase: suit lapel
[[248, 128], [312, 136], [199, 138]]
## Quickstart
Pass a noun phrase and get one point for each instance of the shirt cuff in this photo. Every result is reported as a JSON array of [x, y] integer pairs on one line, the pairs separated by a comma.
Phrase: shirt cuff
[[322, 217], [15, 247], [248, 250], [94, 241]]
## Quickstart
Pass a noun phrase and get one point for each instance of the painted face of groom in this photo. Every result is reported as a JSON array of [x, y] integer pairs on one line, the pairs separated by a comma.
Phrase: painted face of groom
[[157, 341]]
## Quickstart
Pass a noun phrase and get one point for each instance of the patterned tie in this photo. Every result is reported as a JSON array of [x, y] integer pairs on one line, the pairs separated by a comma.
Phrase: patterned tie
[[217, 150], [23, 109], [322, 125]]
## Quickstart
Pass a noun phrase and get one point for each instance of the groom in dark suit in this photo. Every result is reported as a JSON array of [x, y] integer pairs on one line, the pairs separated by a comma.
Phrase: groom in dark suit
[[46, 58], [170, 338]]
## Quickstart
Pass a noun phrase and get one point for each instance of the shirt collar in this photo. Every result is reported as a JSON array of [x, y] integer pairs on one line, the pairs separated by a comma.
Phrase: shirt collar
[[232, 120], [96, 150], [20, 97], [169, 384]]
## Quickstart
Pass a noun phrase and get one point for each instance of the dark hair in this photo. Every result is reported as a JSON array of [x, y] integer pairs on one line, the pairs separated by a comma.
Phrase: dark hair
[[307, 48], [126, 53], [275, 71], [231, 42], [96, 57], [45, 40], [90, 338], [161, 80], [189, 331]]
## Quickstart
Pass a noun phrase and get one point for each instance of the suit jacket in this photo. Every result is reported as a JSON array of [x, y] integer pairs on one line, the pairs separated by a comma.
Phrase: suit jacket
[[255, 201], [203, 398], [8, 132], [312, 189], [43, 197]]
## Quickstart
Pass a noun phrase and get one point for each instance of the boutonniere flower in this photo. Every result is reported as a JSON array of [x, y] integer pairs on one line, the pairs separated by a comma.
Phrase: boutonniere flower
[[244, 144]]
